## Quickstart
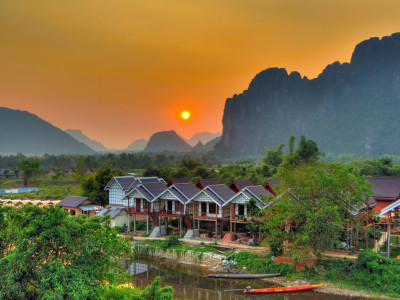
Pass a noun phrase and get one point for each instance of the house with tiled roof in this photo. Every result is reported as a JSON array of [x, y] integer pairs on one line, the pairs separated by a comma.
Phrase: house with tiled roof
[[172, 181], [239, 184], [119, 216], [386, 191], [208, 206], [203, 183], [119, 186], [80, 206], [272, 186]]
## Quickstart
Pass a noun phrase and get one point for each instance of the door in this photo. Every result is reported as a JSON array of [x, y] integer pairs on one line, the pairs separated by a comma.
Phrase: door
[[203, 208]]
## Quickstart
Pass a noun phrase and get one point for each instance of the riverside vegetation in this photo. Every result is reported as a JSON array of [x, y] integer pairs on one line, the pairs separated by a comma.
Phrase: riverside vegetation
[[47, 254]]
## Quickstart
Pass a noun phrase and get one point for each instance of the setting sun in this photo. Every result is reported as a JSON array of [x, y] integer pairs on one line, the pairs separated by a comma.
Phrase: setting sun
[[185, 115]]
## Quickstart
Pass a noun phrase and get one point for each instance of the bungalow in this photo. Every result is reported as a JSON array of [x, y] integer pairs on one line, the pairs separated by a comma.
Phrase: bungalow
[[140, 201], [79, 206], [207, 206], [237, 204], [119, 216], [386, 190], [391, 214], [239, 184], [50, 171], [172, 203], [120, 186], [202, 183], [172, 181], [272, 186], [68, 171]]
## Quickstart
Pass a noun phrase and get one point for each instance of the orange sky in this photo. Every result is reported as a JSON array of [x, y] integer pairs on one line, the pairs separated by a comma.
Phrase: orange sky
[[124, 69]]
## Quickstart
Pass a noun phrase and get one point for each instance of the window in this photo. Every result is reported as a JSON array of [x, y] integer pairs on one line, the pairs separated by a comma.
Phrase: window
[[212, 208], [203, 207], [241, 209], [72, 212]]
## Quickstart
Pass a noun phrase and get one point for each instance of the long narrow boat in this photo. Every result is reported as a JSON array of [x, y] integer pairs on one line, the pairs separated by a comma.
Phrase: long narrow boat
[[243, 276], [284, 289]]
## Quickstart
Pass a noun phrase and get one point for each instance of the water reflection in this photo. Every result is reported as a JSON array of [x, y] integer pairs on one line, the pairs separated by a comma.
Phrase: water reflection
[[190, 283]]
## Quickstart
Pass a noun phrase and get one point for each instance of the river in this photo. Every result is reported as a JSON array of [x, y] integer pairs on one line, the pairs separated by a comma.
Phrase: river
[[190, 282]]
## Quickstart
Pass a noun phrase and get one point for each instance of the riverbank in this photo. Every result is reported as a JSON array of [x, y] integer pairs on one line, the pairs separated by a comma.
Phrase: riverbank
[[213, 262]]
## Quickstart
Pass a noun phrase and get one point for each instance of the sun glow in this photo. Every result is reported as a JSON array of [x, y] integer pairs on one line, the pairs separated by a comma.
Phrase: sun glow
[[185, 115]]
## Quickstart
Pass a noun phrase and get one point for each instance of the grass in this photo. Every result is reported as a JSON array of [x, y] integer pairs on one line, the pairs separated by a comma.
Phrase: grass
[[48, 188], [160, 244]]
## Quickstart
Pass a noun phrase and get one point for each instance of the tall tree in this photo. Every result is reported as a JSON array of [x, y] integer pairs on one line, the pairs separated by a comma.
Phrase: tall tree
[[28, 169], [93, 186], [315, 202]]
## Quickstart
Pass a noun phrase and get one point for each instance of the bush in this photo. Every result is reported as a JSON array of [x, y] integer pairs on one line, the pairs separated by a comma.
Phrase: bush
[[257, 264], [170, 241]]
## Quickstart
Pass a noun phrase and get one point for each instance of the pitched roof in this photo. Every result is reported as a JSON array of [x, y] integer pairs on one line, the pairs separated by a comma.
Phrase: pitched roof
[[184, 191], [113, 211], [241, 184], [172, 181], [258, 191], [389, 208], [73, 201], [202, 183], [385, 187], [124, 182], [219, 193]]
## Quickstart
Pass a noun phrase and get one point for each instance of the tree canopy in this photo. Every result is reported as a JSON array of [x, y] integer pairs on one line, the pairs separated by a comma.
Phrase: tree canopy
[[314, 204], [47, 254]]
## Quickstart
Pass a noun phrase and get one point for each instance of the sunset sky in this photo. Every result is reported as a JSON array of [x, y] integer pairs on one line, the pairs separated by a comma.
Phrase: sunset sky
[[124, 69]]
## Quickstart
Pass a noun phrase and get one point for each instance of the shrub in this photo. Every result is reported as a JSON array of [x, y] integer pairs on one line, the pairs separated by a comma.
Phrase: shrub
[[170, 241]]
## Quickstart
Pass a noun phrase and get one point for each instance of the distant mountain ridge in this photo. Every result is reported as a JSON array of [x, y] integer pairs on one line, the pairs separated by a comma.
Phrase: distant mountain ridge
[[21, 131], [167, 141], [203, 137], [137, 145], [80, 137], [350, 108]]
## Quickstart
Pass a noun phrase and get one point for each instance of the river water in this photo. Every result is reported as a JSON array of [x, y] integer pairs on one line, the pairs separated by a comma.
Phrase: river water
[[191, 283]]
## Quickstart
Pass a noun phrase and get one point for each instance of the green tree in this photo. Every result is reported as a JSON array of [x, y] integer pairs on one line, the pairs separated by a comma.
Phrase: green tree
[[29, 169], [273, 157], [315, 202], [46, 254], [93, 186], [306, 152]]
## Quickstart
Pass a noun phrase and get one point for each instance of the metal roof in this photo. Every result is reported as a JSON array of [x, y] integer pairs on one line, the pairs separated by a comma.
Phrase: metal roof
[[72, 201], [88, 207], [113, 211], [389, 208]]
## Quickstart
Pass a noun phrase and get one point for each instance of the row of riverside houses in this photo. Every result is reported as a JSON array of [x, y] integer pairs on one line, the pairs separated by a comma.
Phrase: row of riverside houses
[[207, 203]]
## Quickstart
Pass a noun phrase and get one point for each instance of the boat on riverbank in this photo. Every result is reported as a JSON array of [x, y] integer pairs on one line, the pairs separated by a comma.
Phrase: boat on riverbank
[[283, 289], [243, 276]]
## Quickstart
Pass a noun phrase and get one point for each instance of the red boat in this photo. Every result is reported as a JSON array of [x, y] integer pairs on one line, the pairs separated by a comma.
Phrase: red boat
[[284, 289]]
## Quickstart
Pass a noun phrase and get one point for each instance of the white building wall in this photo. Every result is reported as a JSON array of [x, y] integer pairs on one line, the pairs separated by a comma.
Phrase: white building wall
[[115, 195]]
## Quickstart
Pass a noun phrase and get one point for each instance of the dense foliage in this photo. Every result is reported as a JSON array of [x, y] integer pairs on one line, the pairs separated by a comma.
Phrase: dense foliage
[[47, 254], [93, 185], [316, 201]]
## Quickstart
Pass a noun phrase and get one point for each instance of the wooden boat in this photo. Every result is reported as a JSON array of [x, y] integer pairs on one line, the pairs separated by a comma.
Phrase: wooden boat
[[284, 289], [243, 276]]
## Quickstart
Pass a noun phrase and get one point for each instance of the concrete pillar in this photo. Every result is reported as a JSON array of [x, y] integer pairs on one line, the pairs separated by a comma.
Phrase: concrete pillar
[[180, 227], [230, 231], [147, 227], [134, 223], [216, 229]]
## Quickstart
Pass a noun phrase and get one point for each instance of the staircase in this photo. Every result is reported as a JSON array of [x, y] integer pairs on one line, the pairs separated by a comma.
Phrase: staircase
[[188, 222], [381, 241], [158, 231], [191, 233], [154, 219]]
